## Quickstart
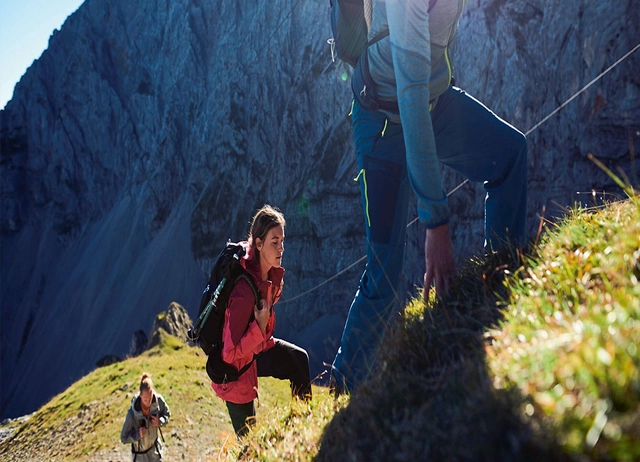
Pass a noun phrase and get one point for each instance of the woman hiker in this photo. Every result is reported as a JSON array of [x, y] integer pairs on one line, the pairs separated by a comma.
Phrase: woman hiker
[[248, 329], [148, 412]]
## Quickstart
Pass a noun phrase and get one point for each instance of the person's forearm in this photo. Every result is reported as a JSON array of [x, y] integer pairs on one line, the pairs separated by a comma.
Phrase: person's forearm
[[244, 350], [411, 54]]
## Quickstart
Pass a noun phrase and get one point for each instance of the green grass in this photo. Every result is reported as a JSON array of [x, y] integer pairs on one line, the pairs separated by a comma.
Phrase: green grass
[[571, 335], [534, 357], [86, 419]]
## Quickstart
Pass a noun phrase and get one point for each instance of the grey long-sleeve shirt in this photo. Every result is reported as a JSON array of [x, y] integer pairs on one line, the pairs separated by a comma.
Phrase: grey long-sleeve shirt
[[411, 66]]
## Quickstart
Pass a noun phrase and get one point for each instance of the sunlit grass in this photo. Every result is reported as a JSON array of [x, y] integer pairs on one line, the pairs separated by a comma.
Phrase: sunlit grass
[[290, 431], [84, 422], [571, 335], [535, 356]]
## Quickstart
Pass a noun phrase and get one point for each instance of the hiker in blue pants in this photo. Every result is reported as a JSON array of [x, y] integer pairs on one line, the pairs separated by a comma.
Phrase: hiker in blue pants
[[407, 118]]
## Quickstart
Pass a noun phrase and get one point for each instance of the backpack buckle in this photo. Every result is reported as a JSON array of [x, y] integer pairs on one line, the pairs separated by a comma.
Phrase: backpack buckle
[[332, 42]]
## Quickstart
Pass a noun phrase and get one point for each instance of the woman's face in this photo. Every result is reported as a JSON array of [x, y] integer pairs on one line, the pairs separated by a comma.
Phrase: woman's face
[[271, 249], [145, 397]]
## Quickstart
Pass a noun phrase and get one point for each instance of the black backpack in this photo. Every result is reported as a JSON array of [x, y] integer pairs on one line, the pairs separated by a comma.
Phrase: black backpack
[[207, 330], [349, 29]]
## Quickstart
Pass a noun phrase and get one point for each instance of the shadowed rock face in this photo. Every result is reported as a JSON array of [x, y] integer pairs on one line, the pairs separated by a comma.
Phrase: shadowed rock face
[[139, 342], [149, 132]]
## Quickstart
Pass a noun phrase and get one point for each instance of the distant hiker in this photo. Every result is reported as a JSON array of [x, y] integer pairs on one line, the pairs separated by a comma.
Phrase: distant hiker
[[407, 119], [148, 412], [248, 329]]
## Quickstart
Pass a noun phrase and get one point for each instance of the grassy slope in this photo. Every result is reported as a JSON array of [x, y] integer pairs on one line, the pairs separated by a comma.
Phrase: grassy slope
[[84, 422], [571, 336], [533, 358]]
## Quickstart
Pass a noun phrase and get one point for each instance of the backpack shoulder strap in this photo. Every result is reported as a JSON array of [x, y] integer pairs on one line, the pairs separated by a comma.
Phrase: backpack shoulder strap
[[244, 274]]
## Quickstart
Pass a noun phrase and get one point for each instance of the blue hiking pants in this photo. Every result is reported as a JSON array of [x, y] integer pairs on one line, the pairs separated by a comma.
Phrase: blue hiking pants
[[471, 140]]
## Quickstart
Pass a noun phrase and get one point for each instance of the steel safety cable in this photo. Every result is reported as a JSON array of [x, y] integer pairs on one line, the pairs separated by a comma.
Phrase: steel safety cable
[[274, 33], [559, 108], [531, 130]]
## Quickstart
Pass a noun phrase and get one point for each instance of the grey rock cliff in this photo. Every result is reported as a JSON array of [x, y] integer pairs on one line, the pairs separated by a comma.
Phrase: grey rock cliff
[[148, 133]]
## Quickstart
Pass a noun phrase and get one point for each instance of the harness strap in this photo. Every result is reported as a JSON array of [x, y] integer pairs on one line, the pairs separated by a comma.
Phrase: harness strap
[[154, 445]]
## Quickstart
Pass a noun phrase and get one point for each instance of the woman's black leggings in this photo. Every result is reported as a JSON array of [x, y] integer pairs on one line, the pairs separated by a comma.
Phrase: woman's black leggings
[[284, 361]]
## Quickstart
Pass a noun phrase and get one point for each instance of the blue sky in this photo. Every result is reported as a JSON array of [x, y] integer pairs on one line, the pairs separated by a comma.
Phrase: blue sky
[[25, 28]]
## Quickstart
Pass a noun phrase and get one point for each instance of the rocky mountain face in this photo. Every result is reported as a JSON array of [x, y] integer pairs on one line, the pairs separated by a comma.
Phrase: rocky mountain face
[[174, 321], [148, 133]]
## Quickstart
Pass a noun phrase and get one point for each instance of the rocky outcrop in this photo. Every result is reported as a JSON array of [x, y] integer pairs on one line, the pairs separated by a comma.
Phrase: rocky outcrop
[[139, 342], [174, 321], [108, 360], [148, 133]]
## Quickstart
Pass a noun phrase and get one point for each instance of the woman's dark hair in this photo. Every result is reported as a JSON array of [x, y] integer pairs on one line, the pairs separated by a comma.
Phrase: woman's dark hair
[[145, 382], [266, 218]]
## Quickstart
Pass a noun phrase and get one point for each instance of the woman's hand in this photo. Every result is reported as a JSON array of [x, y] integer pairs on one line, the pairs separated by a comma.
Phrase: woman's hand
[[155, 420], [262, 315], [143, 432]]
